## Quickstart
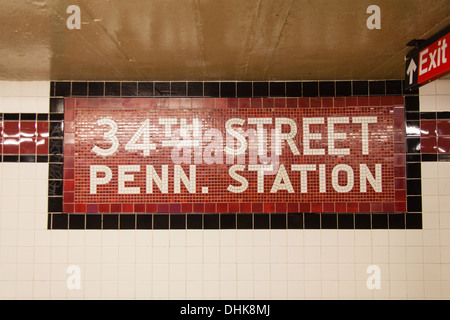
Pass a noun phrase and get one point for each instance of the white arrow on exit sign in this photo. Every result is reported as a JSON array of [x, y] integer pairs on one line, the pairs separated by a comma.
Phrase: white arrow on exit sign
[[410, 71]]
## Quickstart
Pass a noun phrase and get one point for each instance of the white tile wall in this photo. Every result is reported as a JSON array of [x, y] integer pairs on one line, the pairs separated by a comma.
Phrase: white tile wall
[[227, 264]]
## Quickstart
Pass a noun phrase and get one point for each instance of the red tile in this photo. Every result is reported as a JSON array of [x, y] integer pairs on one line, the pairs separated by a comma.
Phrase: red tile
[[80, 208], [42, 146], [400, 206], [280, 102], [328, 207], [104, 208], [151, 208], [315, 102], [42, 129], [316, 207], [68, 208], [27, 146], [257, 207], [234, 207], [293, 207], [428, 128], [163, 208], [244, 103], [210, 208], [222, 207], [352, 207], [69, 174], [199, 208], [291, 102], [444, 144], [303, 102], [364, 207], [268, 102], [232, 103], [375, 101], [340, 207], [269, 207], [443, 127], [128, 207], [186, 207], [257, 103], [376, 207], [69, 197], [304, 207], [116, 208], [339, 102], [11, 129], [351, 101], [388, 206], [27, 129], [10, 146], [399, 100], [246, 207], [387, 101], [428, 145], [280, 207], [175, 208]]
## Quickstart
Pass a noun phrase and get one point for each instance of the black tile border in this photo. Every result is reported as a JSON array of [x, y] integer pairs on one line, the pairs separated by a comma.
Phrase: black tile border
[[412, 219]]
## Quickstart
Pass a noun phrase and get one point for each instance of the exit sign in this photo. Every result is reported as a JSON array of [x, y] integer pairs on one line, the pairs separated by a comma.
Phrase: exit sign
[[428, 64]]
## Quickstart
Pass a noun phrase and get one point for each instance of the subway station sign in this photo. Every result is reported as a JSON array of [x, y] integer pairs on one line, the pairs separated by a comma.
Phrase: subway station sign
[[123, 154], [428, 64]]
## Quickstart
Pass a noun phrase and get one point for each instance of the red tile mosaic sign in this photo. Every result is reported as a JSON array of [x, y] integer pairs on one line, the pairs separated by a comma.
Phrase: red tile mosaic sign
[[207, 155]]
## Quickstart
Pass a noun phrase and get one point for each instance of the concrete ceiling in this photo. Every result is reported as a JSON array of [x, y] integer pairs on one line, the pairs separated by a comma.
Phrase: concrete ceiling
[[203, 40]]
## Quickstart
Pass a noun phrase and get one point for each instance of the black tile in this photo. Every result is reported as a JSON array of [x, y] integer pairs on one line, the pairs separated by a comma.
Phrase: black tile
[[244, 221], [195, 89], [413, 145], [111, 221], [194, 221], [360, 88], [414, 203], [310, 89], [277, 89], [211, 221], [327, 89], [27, 158], [396, 220], [10, 158], [428, 115], [413, 170], [41, 159], [343, 88], [55, 171], [56, 158], [55, 146], [76, 221], [79, 89], [145, 89], [328, 220], [412, 103], [363, 221], [394, 87], [379, 220], [428, 157], [1, 116], [443, 115], [295, 220], [55, 204], [411, 91], [312, 220], [414, 187], [129, 89], [62, 89], [444, 157], [413, 220], [278, 221], [96, 89], [112, 89], [56, 116], [52, 89], [244, 90], [377, 88], [60, 221], [42, 116], [260, 89], [261, 221], [93, 221], [228, 89], [28, 116], [413, 158], [178, 89], [177, 221], [127, 221], [162, 89], [228, 221], [56, 129], [211, 89], [160, 221], [346, 221], [11, 116], [412, 116], [144, 221], [412, 127], [293, 89]]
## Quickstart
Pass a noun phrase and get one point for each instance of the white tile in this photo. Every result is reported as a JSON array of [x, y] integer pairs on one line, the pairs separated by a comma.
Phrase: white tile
[[443, 86], [442, 102], [428, 89], [430, 187], [43, 88], [427, 103], [430, 204], [11, 88]]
